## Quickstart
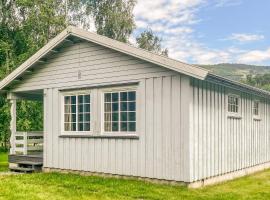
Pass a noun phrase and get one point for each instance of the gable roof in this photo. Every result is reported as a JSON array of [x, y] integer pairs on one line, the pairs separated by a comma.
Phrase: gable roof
[[194, 71], [190, 70]]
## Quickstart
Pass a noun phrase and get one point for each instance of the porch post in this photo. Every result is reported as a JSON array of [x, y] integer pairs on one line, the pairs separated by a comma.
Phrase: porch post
[[13, 125]]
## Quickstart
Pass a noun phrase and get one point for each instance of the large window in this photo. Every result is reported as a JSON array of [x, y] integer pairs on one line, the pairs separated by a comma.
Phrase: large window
[[233, 104], [119, 111], [77, 112]]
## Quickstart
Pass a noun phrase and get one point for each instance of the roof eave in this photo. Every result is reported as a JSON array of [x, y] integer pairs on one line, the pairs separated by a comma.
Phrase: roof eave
[[33, 59], [236, 85]]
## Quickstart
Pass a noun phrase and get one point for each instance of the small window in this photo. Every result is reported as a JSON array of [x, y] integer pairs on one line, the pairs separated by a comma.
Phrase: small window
[[119, 112], [256, 108], [77, 112], [233, 104]]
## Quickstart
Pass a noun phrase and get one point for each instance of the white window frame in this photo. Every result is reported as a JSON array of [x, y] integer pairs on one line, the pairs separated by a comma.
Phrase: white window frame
[[118, 89], [233, 114], [75, 93], [256, 117]]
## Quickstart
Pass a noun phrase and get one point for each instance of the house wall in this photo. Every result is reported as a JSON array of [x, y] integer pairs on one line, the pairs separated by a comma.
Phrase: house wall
[[161, 150], [223, 144]]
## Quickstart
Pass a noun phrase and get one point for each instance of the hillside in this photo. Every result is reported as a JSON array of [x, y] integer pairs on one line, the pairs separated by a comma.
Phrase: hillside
[[236, 71]]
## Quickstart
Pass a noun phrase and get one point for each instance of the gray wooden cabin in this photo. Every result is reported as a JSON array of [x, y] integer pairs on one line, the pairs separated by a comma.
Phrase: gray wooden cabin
[[115, 109]]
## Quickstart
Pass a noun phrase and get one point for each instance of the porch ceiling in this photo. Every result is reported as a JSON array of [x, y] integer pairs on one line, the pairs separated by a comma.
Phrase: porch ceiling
[[35, 95]]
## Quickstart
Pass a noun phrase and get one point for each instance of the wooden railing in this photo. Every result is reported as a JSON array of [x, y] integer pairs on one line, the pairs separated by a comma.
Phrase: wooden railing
[[27, 143]]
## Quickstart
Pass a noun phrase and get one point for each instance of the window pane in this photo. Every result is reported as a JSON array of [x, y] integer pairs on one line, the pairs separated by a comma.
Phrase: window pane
[[131, 126], [107, 126], [132, 96], [67, 100], [80, 117], [67, 118], [107, 107], [80, 108], [108, 97], [114, 126], [73, 127], [123, 106], [67, 109], [87, 127], [80, 126], [86, 107], [115, 117], [123, 126], [73, 108], [86, 98], [123, 96], [131, 116], [87, 117], [115, 107], [73, 99], [123, 116], [115, 97], [131, 106], [73, 118], [67, 126], [107, 117], [80, 99]]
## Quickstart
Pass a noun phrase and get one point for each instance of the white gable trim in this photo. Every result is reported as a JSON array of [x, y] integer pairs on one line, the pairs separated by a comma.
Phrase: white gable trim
[[168, 63]]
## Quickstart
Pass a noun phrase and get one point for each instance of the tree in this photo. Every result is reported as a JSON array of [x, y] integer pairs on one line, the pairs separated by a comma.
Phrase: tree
[[114, 18], [149, 41], [259, 80], [26, 25]]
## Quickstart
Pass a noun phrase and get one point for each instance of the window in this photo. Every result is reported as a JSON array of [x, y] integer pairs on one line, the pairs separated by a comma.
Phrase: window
[[119, 111], [256, 108], [233, 104], [77, 112]]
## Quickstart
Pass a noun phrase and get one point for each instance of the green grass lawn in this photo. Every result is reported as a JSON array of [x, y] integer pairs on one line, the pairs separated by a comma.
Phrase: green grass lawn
[[3, 162], [70, 186]]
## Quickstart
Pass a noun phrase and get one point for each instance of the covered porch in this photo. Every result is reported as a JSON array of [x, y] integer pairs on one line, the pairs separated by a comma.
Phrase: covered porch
[[26, 147]]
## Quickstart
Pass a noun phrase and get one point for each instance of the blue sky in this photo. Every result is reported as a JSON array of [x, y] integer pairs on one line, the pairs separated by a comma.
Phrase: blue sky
[[209, 31]]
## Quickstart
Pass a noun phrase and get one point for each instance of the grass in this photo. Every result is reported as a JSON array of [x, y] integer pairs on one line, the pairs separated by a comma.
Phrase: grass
[[70, 186], [3, 161]]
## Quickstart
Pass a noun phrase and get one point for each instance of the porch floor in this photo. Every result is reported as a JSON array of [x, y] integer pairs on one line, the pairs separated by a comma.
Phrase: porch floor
[[15, 158]]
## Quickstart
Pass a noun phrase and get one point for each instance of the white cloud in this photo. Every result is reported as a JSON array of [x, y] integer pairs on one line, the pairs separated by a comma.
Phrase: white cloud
[[244, 37], [227, 3], [255, 56], [173, 21]]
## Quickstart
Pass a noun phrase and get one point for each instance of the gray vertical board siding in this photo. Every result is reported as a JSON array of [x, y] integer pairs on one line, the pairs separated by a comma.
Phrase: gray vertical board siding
[[160, 152], [162, 148], [222, 144]]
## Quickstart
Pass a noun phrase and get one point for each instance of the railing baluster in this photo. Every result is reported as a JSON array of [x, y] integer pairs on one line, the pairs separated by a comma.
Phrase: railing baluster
[[25, 145]]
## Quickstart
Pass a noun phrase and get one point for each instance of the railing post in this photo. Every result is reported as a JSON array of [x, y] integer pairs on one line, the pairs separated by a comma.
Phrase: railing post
[[13, 126], [25, 143]]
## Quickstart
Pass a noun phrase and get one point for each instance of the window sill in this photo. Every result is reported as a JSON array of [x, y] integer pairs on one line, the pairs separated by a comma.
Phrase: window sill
[[234, 116], [124, 136], [257, 119]]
